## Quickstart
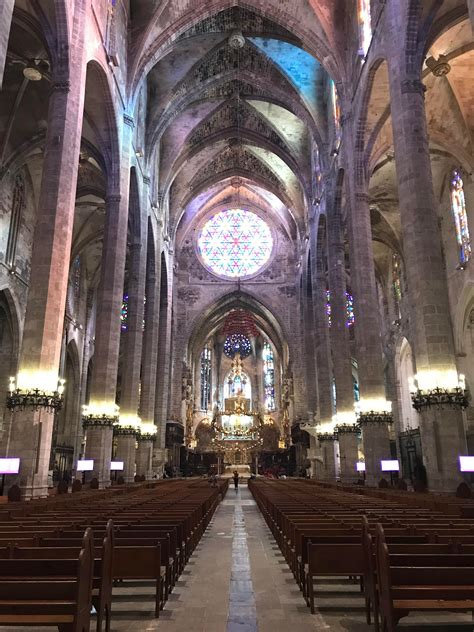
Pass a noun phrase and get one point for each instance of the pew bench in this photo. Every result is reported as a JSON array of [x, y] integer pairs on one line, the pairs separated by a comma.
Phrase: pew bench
[[48, 592]]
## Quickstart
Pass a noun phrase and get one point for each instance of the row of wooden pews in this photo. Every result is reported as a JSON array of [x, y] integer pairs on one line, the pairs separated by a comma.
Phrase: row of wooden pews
[[406, 558], [57, 561]]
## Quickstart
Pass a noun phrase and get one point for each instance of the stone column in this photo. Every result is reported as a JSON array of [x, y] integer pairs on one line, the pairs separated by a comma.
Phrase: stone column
[[442, 430], [150, 343], [321, 329], [328, 449], [102, 411], [470, 6], [6, 12], [340, 345], [31, 430], [164, 363], [133, 337], [375, 410], [126, 449], [348, 452], [144, 456], [309, 342]]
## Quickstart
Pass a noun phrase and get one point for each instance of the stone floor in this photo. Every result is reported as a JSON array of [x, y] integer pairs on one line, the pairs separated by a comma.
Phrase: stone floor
[[237, 581]]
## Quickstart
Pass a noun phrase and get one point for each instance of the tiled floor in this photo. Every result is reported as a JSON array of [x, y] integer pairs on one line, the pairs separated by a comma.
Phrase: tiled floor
[[237, 581]]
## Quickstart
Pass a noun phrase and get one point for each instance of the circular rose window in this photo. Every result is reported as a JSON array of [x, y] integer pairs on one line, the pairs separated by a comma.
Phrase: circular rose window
[[235, 243]]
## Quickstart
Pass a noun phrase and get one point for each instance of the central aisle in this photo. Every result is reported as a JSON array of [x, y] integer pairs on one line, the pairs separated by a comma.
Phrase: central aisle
[[237, 581]]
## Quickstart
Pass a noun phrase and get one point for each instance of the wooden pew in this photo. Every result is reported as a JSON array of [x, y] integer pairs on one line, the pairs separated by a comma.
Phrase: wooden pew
[[48, 592], [102, 571], [439, 583]]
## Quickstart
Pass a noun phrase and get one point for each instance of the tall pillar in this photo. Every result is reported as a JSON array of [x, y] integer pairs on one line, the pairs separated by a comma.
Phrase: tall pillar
[[325, 424], [345, 420], [164, 361], [6, 13], [102, 413], [31, 430], [145, 456], [328, 449], [321, 329], [348, 452], [132, 356], [151, 340], [126, 449], [441, 428], [375, 410]]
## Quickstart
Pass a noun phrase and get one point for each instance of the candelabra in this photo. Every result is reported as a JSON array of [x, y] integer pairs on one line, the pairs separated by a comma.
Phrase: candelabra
[[35, 398], [428, 391]]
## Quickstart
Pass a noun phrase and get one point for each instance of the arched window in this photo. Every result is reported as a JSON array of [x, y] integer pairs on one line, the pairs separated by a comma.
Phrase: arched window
[[336, 112], [458, 204], [206, 372], [18, 203], [397, 281], [365, 26], [124, 313], [238, 386], [269, 376], [317, 177], [350, 318]]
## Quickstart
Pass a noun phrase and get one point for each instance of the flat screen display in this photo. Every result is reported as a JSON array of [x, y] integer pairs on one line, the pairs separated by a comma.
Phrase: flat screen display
[[85, 465], [466, 463], [10, 465], [360, 466], [390, 466], [116, 466]]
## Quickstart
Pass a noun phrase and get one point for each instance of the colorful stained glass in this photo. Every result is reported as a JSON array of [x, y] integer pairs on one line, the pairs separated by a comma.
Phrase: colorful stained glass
[[76, 278], [235, 243], [237, 343], [124, 313], [458, 204], [397, 280], [350, 318], [269, 376], [206, 372], [365, 26], [336, 112]]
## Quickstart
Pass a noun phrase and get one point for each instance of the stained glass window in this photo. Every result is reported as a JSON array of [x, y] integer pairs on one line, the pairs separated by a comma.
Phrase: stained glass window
[[15, 220], [269, 376], [235, 243], [124, 313], [317, 171], [237, 343], [397, 280], [458, 203], [206, 368], [76, 278], [350, 318], [238, 385], [336, 112], [365, 26]]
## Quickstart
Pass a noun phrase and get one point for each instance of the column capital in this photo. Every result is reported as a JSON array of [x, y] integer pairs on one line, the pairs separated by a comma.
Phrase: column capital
[[61, 86], [362, 196], [413, 85]]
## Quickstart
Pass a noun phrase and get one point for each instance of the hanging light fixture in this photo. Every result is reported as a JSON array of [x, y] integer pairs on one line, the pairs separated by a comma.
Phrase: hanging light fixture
[[32, 72]]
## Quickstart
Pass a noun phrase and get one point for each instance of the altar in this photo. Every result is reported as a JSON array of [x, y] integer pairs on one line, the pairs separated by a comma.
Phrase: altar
[[242, 470]]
